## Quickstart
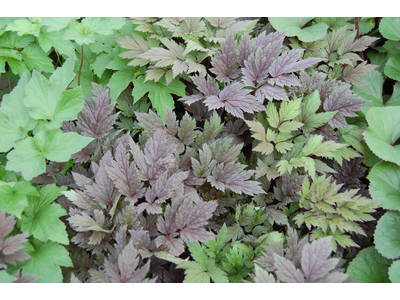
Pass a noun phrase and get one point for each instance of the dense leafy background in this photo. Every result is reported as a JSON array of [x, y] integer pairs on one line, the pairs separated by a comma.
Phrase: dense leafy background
[[199, 150]]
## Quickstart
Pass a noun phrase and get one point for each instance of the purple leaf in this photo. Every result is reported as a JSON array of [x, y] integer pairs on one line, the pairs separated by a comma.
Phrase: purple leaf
[[282, 80], [190, 219], [93, 118], [6, 224], [287, 63], [206, 85], [14, 243], [245, 49], [232, 176], [271, 42], [271, 92], [343, 101], [256, 68], [236, 100], [286, 271], [224, 61], [188, 100], [103, 188], [124, 175], [315, 262]]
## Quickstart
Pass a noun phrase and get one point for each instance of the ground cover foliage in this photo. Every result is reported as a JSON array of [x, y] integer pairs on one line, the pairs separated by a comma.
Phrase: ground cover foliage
[[205, 150]]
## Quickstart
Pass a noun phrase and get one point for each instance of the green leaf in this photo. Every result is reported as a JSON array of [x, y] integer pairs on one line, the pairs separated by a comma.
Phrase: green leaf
[[387, 235], [169, 257], [15, 121], [218, 243], [119, 81], [194, 273], [394, 272], [18, 67], [383, 131], [159, 92], [35, 58], [56, 23], [29, 154], [13, 199], [390, 28], [41, 218], [47, 99], [385, 184], [372, 91], [10, 53], [56, 40], [392, 68], [6, 278], [84, 32], [24, 26], [369, 267], [295, 27], [46, 261]]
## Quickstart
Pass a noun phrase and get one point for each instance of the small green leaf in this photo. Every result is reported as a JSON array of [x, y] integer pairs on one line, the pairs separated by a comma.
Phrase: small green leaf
[[390, 28], [15, 121], [36, 58], [295, 27], [56, 40], [384, 185], [383, 131], [394, 272], [6, 278], [13, 199], [392, 68], [159, 92], [169, 257], [387, 235], [369, 267]]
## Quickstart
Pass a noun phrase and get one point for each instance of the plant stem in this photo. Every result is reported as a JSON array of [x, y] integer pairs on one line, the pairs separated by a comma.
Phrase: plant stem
[[9, 80], [357, 22], [80, 67]]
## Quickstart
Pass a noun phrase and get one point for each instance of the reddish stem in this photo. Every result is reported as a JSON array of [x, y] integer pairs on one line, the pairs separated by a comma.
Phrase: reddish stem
[[357, 21], [80, 67]]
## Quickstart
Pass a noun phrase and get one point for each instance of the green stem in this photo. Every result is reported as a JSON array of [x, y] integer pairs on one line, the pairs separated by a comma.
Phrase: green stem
[[80, 67], [9, 80]]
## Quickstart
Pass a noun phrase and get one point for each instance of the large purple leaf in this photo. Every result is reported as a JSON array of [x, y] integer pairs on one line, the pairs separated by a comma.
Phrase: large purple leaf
[[286, 271], [236, 100], [190, 219], [124, 175], [315, 262], [288, 63], [224, 61], [232, 176]]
